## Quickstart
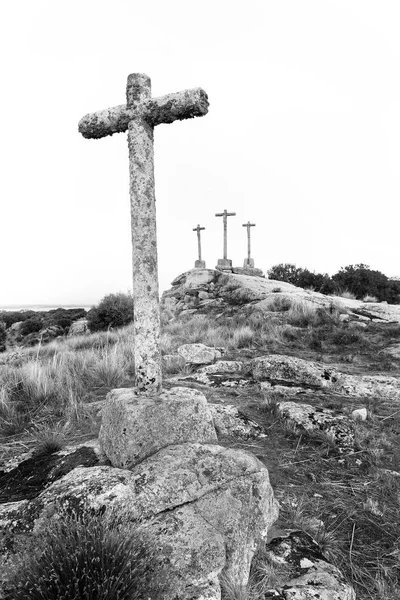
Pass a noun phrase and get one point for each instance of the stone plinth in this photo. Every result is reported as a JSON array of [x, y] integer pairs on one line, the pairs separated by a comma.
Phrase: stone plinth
[[224, 264], [248, 263], [200, 264], [137, 426]]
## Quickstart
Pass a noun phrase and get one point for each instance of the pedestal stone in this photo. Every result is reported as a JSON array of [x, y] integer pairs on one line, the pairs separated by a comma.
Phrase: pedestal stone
[[248, 263], [200, 264], [224, 264], [137, 426]]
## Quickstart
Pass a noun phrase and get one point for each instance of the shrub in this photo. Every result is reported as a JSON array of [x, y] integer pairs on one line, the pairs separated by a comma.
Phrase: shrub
[[114, 310], [320, 282], [3, 336], [89, 556], [32, 325], [362, 281]]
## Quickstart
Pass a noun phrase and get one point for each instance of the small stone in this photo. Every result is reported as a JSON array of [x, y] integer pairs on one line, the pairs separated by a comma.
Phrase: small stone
[[360, 414]]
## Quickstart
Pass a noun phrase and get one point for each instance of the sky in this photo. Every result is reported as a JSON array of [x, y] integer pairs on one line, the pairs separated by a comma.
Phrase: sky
[[302, 138]]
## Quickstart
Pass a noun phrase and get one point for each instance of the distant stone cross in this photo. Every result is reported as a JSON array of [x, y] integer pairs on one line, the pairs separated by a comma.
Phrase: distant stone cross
[[248, 262], [225, 263], [139, 116], [199, 264]]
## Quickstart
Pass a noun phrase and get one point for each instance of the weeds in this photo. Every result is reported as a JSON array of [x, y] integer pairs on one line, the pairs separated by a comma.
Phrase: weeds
[[92, 557]]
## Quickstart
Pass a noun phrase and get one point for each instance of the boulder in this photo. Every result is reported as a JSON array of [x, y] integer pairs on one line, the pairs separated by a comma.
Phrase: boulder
[[208, 506], [198, 354], [79, 327], [135, 427]]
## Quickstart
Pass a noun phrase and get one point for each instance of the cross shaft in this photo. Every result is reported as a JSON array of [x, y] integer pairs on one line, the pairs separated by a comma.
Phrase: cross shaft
[[139, 116], [248, 225], [198, 229], [225, 216]]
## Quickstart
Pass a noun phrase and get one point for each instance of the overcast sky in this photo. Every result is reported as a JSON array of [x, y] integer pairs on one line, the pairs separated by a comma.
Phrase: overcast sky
[[302, 138]]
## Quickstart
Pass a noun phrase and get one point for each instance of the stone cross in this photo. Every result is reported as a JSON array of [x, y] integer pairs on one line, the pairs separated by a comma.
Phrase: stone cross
[[199, 264], [248, 262], [139, 116], [225, 263]]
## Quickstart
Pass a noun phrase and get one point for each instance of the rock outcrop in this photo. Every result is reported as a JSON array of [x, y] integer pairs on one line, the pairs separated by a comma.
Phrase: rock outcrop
[[207, 289]]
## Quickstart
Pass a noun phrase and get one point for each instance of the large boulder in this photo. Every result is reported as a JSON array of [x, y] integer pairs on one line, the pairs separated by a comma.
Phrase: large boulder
[[208, 506], [135, 427]]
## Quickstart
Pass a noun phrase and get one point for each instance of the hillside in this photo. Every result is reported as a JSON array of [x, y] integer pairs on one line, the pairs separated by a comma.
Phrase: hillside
[[309, 384]]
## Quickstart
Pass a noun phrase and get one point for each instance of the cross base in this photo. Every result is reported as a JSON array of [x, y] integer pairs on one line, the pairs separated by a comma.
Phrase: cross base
[[200, 264], [248, 263], [224, 264]]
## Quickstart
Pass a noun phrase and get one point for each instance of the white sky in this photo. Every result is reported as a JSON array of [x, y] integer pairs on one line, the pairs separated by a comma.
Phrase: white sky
[[302, 138]]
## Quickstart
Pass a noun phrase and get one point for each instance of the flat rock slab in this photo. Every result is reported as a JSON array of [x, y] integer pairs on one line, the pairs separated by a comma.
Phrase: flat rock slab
[[229, 421], [312, 576], [31, 476], [135, 427], [280, 369], [226, 373]]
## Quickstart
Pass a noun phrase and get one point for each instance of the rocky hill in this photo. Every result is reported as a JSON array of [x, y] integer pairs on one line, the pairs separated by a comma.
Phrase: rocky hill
[[303, 384]]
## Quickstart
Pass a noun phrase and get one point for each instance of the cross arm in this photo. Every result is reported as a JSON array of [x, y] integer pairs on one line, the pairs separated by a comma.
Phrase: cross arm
[[172, 107], [166, 109], [105, 122]]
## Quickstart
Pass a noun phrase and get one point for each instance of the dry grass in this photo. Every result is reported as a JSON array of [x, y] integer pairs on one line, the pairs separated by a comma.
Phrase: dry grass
[[45, 395]]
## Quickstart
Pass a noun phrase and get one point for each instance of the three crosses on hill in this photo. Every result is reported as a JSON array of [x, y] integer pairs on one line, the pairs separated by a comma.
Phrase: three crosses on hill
[[139, 116], [224, 263]]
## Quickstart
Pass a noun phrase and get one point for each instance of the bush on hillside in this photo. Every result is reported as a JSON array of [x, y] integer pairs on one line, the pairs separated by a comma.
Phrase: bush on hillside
[[320, 282], [14, 316], [32, 325], [3, 336], [363, 281], [114, 310]]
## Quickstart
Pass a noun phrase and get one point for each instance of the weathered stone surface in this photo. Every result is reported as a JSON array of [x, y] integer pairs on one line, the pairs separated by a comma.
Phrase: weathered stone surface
[[308, 418], [312, 576], [371, 386], [229, 373], [79, 327], [27, 478], [198, 354], [246, 270], [293, 370], [198, 277], [229, 421], [209, 507], [135, 427]]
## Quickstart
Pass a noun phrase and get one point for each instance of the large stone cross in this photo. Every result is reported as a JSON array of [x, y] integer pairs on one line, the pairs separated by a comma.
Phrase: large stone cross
[[199, 264], [225, 263], [139, 116], [248, 262]]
